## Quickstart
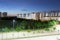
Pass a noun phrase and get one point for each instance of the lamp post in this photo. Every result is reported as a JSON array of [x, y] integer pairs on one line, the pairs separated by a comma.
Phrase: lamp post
[[13, 23]]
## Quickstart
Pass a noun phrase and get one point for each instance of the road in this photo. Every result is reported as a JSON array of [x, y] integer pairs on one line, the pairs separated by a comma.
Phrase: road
[[54, 37]]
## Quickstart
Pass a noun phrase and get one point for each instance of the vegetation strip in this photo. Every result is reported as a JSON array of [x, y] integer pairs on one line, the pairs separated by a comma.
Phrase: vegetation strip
[[7, 25]]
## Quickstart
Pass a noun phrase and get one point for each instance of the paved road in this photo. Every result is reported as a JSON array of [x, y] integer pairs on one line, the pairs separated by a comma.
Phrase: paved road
[[54, 37]]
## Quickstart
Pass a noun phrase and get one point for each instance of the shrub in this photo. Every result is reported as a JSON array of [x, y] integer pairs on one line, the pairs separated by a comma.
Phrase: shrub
[[24, 24], [18, 29], [47, 29], [28, 30], [54, 28], [5, 29]]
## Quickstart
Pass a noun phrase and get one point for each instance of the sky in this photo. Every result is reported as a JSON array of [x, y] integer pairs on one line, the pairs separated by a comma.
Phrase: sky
[[25, 6]]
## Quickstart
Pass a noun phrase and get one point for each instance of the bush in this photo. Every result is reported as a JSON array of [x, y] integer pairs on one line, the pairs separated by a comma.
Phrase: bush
[[5, 29], [28, 30], [26, 24], [18, 29], [46, 29], [54, 28]]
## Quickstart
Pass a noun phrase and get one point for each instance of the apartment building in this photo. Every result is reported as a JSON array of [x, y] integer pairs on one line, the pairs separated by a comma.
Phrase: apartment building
[[3, 14], [0, 14], [27, 16], [41, 15], [52, 15], [35, 15]]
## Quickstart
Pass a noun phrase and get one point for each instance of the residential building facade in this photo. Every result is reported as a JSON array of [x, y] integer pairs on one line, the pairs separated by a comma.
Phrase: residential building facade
[[41, 15], [4, 14]]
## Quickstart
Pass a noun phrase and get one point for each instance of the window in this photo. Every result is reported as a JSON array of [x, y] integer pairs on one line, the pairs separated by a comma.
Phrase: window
[[28, 15], [59, 14], [24, 15]]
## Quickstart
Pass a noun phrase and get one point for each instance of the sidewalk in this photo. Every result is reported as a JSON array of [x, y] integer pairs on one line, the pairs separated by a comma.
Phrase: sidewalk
[[25, 34]]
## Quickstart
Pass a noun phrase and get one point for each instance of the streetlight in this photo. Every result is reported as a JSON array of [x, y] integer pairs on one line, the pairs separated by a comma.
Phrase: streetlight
[[13, 23], [13, 26]]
